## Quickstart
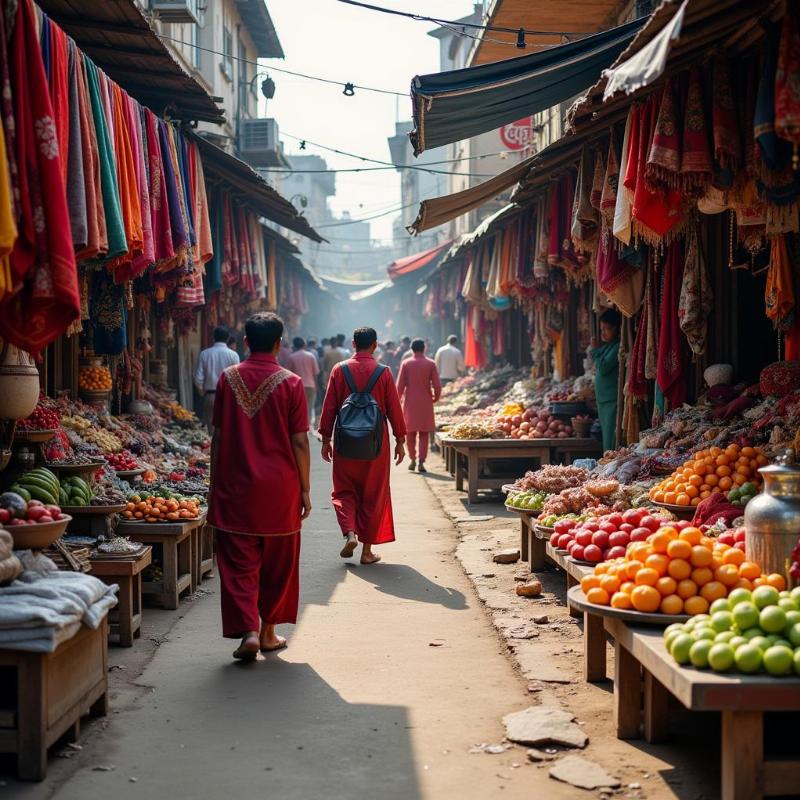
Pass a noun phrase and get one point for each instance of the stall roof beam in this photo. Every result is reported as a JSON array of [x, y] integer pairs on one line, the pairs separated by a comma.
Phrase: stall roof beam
[[455, 105], [119, 39]]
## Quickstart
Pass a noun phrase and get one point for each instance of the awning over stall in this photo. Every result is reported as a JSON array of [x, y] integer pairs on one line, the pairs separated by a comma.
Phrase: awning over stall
[[455, 105]]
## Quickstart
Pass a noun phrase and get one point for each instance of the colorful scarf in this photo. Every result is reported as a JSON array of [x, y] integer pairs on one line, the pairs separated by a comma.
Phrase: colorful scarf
[[670, 375], [583, 231], [622, 209], [657, 215], [696, 164], [787, 80], [779, 293], [727, 141], [46, 298], [664, 158], [697, 296]]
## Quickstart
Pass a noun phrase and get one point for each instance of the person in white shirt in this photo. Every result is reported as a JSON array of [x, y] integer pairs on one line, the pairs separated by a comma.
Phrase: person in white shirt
[[449, 361], [212, 362]]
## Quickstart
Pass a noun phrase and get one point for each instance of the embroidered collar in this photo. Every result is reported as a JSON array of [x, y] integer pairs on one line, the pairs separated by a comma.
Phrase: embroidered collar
[[251, 402]]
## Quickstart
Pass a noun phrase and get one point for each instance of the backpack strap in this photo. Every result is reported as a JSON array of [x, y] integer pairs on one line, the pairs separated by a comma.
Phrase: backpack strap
[[374, 378], [348, 376]]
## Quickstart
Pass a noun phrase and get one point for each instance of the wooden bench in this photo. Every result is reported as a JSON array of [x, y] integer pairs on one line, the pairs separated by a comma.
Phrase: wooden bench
[[741, 699], [178, 560], [126, 620], [53, 691]]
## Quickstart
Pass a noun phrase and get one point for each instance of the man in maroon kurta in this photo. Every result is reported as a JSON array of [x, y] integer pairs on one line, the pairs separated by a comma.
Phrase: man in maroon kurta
[[259, 496], [361, 494], [419, 388]]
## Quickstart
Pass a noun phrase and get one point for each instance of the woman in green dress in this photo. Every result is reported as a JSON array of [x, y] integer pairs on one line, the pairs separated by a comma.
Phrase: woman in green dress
[[606, 362]]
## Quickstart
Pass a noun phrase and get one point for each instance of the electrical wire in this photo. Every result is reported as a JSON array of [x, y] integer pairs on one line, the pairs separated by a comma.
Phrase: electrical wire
[[272, 68]]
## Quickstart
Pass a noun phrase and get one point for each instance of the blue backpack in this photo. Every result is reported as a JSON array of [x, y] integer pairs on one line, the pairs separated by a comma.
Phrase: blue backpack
[[360, 423]]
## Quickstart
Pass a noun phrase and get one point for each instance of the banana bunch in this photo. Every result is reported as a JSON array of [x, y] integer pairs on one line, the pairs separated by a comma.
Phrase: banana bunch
[[38, 484], [75, 491]]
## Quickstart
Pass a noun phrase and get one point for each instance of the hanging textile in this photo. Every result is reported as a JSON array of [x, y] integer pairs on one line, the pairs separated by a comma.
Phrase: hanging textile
[[670, 377], [779, 292], [787, 79], [45, 298], [696, 164], [697, 297]]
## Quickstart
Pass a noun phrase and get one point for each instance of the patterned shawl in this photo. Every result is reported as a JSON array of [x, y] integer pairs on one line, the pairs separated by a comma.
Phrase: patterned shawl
[[696, 164], [670, 341]]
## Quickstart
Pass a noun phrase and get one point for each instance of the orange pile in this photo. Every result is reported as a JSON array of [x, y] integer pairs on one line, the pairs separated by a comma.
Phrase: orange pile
[[94, 379], [159, 509], [674, 573], [710, 472]]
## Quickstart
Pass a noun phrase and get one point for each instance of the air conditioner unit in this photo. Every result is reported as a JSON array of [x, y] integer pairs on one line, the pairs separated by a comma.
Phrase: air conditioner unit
[[258, 142], [176, 10]]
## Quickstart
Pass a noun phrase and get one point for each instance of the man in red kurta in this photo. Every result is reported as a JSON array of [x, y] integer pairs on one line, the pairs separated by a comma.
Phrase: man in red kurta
[[419, 388], [361, 494], [260, 465]]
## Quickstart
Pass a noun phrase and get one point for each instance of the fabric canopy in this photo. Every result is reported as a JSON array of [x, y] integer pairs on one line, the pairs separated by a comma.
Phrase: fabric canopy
[[404, 266], [455, 105]]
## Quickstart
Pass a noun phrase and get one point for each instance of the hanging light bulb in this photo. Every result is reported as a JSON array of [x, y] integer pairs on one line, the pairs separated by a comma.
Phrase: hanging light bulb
[[349, 90], [521, 39]]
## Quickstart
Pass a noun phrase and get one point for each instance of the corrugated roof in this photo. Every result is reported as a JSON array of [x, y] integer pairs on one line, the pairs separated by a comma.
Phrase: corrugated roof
[[119, 39], [259, 195]]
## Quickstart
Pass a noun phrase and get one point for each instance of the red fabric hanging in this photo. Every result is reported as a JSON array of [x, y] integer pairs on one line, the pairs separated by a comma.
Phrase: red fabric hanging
[[46, 299]]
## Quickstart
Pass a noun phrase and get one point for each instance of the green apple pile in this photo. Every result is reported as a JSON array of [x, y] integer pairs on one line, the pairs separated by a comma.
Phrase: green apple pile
[[745, 632], [526, 501]]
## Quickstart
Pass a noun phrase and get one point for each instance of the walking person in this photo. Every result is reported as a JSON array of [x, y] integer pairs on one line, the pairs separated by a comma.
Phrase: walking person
[[260, 465], [304, 363], [210, 365], [419, 388], [361, 494], [449, 361]]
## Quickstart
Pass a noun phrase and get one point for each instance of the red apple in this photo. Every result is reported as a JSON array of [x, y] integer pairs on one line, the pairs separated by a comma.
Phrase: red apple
[[593, 553], [600, 538]]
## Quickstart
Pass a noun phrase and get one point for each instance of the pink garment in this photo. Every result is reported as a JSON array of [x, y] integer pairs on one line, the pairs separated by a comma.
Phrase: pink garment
[[305, 364], [423, 446], [419, 388]]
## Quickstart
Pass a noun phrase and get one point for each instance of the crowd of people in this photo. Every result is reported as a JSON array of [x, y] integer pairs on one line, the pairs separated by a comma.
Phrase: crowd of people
[[259, 412]]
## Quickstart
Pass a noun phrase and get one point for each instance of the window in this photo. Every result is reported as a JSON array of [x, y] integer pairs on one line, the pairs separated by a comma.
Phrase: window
[[227, 53]]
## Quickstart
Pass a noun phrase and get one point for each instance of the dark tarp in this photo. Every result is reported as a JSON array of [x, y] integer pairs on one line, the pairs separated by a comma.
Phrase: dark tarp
[[455, 105]]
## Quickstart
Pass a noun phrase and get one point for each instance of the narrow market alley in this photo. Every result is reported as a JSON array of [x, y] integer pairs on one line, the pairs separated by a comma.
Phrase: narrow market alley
[[392, 674]]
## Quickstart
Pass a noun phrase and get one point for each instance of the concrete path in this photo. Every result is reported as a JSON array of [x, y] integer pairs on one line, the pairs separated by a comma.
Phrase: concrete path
[[392, 674]]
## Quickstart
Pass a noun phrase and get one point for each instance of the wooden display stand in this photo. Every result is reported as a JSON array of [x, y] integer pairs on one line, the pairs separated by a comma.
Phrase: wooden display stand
[[741, 699], [53, 691], [180, 565], [127, 574], [470, 457]]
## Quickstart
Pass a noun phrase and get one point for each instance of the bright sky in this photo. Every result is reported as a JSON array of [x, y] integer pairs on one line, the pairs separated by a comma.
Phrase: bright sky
[[346, 43]]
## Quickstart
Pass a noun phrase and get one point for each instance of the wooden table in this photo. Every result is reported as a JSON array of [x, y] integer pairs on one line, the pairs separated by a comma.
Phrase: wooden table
[[467, 458], [180, 565], [741, 699], [127, 574], [53, 691]]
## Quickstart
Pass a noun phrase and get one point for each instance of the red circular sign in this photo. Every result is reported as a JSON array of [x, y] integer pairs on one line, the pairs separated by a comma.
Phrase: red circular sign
[[518, 135]]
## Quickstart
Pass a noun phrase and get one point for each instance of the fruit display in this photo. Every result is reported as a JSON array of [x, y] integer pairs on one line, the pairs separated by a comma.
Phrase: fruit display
[[606, 537], [75, 491], [526, 501], [675, 570], [154, 509], [531, 424], [123, 461], [747, 632], [94, 379], [40, 419], [470, 430], [38, 484], [732, 471], [15, 510]]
